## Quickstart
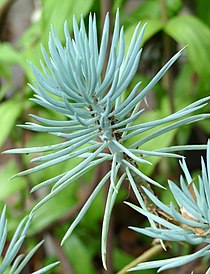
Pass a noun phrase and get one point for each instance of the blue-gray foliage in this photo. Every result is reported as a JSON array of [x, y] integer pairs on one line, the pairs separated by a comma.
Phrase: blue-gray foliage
[[189, 223], [97, 118], [12, 261]]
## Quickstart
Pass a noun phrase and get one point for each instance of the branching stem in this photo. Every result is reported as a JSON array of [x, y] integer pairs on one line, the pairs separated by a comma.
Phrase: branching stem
[[142, 258]]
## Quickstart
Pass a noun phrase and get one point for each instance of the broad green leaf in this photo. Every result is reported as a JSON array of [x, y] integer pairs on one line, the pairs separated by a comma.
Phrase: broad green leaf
[[53, 13], [56, 12], [2, 2], [173, 6], [188, 30], [153, 26], [121, 258], [203, 10], [9, 187], [151, 9], [184, 83], [54, 209], [4, 88], [30, 41], [117, 4], [8, 55], [148, 9], [9, 112], [93, 216], [79, 256]]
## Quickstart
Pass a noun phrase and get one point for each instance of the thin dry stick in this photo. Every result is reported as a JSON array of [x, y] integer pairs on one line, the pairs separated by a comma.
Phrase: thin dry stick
[[99, 173], [62, 256], [106, 6], [4, 10], [168, 77], [142, 258]]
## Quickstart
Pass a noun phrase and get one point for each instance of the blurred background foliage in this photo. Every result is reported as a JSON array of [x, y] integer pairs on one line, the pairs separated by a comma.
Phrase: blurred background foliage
[[171, 25]]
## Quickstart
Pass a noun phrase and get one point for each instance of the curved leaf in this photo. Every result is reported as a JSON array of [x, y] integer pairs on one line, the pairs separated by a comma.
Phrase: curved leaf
[[188, 30], [56, 12], [9, 112], [153, 26]]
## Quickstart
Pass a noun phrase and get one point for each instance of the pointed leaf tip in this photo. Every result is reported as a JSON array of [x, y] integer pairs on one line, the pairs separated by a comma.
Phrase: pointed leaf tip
[[104, 260]]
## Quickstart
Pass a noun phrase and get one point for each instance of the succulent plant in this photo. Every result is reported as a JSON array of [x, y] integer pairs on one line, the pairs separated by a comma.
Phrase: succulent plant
[[97, 117], [189, 222]]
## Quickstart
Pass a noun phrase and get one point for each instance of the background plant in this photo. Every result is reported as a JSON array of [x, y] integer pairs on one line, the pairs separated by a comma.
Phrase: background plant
[[194, 72]]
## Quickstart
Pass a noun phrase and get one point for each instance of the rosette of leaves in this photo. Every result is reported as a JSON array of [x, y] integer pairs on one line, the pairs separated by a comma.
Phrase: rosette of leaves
[[11, 262], [98, 119], [189, 223]]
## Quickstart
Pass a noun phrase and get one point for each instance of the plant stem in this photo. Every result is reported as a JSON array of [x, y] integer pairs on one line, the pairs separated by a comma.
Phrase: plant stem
[[142, 258], [109, 257], [106, 6]]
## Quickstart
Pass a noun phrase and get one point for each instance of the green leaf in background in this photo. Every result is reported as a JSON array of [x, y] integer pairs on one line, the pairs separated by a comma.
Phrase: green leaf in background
[[93, 216], [81, 259], [30, 41], [117, 4], [184, 82], [173, 6], [151, 9], [189, 30], [4, 88], [121, 258], [9, 112], [8, 56], [54, 209], [56, 12], [148, 9], [2, 2], [203, 10], [9, 187], [152, 27]]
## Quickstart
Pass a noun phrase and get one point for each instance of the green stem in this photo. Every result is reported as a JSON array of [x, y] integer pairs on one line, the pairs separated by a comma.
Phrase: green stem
[[142, 258]]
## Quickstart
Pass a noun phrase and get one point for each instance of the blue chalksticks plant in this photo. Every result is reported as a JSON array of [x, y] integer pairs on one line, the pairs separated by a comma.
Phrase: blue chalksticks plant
[[189, 222], [12, 262], [97, 118]]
